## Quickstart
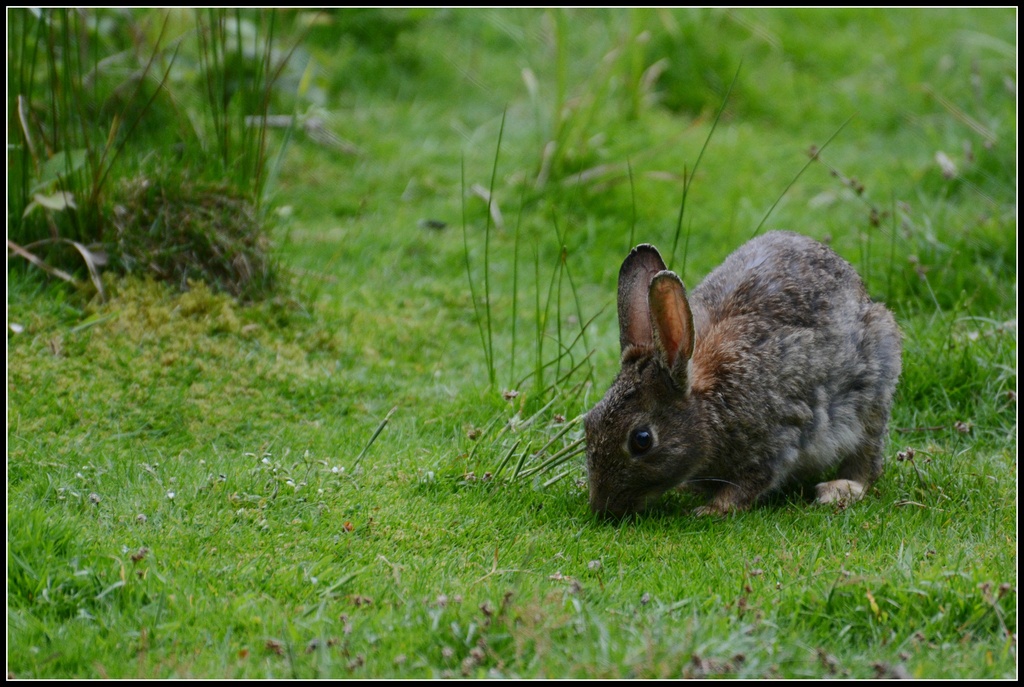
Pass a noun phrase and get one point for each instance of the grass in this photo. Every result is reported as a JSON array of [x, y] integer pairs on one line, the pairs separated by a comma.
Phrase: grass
[[117, 117], [299, 487]]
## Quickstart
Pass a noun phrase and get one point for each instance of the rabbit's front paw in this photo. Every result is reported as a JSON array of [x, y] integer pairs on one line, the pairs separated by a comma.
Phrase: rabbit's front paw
[[729, 500]]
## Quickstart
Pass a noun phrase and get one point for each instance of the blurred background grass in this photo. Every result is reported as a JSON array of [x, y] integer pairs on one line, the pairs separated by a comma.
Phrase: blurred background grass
[[182, 484]]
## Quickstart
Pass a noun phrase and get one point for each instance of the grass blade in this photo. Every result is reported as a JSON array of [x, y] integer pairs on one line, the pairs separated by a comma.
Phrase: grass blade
[[558, 458], [632, 197], [469, 269], [688, 181], [376, 433], [53, 271], [815, 152], [506, 459], [519, 465], [487, 254]]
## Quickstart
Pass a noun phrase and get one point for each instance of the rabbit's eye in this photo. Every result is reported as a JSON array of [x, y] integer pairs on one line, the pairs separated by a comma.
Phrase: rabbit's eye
[[640, 441]]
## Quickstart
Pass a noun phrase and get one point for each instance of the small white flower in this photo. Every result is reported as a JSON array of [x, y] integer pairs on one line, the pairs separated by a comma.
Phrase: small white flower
[[947, 165], [170, 494]]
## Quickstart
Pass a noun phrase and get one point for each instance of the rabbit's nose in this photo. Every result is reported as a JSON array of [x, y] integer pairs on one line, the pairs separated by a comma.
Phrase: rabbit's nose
[[604, 503]]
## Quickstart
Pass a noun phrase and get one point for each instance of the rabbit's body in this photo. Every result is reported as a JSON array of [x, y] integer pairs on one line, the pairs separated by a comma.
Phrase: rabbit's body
[[777, 366]]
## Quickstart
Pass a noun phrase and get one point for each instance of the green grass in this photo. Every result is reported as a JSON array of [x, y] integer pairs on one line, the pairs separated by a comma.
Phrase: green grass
[[139, 142], [186, 496]]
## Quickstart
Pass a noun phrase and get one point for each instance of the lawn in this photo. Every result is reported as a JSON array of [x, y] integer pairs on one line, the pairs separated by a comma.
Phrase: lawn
[[347, 478]]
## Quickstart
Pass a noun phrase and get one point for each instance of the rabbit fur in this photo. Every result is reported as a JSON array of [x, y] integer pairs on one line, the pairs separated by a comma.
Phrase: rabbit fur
[[777, 366]]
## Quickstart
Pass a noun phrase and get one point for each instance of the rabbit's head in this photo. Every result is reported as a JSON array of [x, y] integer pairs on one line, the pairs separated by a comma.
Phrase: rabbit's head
[[638, 443]]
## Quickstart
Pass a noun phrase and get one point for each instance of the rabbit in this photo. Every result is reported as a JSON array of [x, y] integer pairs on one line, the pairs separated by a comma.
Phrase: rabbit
[[777, 366]]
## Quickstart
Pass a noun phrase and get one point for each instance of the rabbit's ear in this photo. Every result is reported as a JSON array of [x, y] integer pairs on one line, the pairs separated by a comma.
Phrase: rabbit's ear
[[635, 276], [672, 323]]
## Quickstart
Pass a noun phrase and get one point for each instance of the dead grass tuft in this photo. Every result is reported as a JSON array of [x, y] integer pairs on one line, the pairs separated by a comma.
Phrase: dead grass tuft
[[180, 230]]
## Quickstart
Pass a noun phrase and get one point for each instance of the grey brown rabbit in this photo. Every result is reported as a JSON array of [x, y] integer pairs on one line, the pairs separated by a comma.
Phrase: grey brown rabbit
[[777, 366]]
